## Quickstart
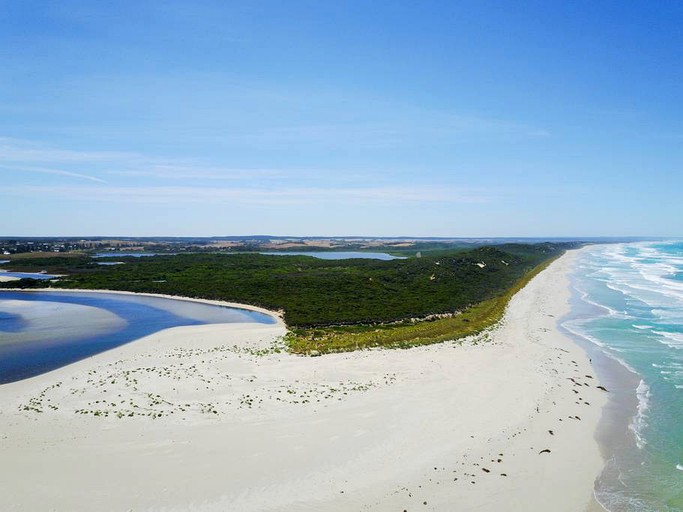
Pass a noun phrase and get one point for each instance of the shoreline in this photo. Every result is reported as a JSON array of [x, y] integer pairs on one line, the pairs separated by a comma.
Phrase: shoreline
[[614, 431], [235, 305], [479, 425]]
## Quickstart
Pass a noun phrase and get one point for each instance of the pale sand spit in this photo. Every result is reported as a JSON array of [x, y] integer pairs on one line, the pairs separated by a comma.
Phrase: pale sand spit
[[219, 418]]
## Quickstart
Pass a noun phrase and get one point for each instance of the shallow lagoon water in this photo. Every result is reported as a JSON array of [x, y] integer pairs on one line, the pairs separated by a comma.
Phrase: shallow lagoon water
[[41, 331], [28, 275], [338, 255], [116, 254], [323, 255]]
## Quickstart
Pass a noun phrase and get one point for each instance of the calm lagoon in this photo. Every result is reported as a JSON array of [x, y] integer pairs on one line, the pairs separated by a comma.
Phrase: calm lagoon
[[44, 330], [28, 275], [338, 255], [116, 254]]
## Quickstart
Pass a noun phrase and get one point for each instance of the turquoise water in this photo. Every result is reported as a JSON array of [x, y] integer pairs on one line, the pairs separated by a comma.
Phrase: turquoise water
[[628, 305]]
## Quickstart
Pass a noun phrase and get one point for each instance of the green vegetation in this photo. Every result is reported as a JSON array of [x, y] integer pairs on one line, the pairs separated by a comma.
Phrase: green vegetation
[[331, 305], [54, 263], [472, 320]]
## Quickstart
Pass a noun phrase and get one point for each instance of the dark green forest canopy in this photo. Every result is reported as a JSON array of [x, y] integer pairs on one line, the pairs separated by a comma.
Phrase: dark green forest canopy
[[313, 292]]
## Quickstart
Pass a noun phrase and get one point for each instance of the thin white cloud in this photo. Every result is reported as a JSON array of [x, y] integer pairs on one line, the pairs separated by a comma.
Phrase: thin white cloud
[[181, 172], [56, 172], [257, 196], [132, 168], [424, 128], [17, 150], [29, 156]]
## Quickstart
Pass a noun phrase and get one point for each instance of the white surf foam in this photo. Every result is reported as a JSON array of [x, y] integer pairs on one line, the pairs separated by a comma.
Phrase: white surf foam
[[671, 339], [577, 331], [638, 424]]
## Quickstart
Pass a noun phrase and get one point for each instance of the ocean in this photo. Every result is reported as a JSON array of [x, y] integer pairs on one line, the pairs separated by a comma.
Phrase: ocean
[[627, 310]]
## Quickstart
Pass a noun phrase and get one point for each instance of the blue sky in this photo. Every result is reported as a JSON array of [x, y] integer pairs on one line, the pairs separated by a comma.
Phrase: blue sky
[[341, 118]]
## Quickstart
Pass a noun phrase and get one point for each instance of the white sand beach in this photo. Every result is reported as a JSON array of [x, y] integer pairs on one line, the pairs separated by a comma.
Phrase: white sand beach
[[219, 418]]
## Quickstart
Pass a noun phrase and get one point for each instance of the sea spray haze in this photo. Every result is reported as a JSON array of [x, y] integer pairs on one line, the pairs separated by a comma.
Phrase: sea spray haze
[[629, 303]]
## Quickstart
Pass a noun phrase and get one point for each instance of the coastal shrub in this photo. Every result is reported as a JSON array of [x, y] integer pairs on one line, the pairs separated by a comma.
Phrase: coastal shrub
[[319, 293], [331, 304]]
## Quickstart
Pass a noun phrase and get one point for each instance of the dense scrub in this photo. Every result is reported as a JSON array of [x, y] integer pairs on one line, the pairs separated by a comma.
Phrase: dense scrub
[[314, 292], [472, 320]]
